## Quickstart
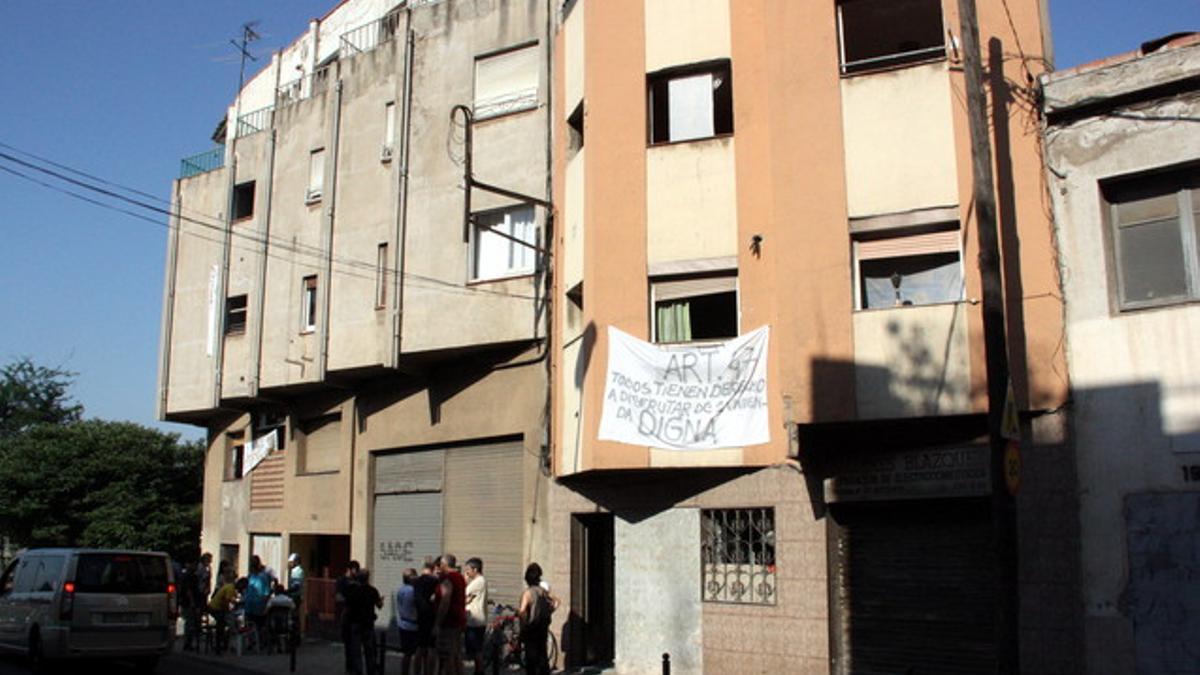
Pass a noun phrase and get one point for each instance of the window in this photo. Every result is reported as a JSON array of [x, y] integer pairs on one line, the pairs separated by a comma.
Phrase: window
[[502, 243], [48, 574], [266, 423], [389, 132], [695, 308], [308, 305], [243, 200], [575, 131], [882, 33], [1154, 229], [235, 315], [506, 82], [381, 276], [690, 103], [906, 270], [737, 553], [316, 175], [235, 451]]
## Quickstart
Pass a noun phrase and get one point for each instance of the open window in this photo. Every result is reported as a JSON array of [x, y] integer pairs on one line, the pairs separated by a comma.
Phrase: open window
[[308, 305], [1154, 231], [691, 308], [502, 243], [894, 270], [883, 33], [235, 315], [691, 102], [235, 452], [506, 82], [243, 200]]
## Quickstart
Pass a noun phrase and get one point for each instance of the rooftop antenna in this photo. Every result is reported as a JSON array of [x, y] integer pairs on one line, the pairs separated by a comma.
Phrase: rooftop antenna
[[248, 35]]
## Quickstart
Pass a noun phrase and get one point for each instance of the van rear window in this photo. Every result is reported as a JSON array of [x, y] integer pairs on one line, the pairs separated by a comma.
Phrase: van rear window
[[120, 573]]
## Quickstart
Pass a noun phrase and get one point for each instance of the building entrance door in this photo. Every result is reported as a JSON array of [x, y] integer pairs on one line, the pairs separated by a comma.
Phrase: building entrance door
[[589, 631]]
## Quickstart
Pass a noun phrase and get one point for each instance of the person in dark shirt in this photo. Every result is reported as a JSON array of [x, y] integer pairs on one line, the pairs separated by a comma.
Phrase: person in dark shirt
[[362, 599], [341, 590], [425, 589]]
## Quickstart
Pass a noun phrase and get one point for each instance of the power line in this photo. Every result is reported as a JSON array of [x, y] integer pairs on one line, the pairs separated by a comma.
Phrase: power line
[[273, 244]]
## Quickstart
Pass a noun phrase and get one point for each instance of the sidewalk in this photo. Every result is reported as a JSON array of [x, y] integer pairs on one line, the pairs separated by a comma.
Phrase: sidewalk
[[313, 657]]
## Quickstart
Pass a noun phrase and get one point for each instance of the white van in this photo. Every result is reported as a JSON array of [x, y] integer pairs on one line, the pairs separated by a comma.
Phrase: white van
[[61, 603]]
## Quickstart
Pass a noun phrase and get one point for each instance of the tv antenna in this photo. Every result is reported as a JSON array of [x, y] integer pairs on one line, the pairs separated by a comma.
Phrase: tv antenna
[[248, 35]]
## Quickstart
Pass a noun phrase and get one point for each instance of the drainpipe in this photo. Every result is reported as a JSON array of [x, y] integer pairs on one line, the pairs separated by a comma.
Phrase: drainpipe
[[326, 287], [260, 297], [398, 257], [168, 311]]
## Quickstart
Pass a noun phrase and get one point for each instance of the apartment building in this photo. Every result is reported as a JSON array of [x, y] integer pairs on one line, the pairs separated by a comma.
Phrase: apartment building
[[361, 330], [1123, 166], [720, 167]]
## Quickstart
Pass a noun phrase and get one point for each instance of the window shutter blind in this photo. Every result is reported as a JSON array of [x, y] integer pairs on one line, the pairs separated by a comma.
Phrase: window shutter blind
[[917, 244], [505, 79], [687, 288]]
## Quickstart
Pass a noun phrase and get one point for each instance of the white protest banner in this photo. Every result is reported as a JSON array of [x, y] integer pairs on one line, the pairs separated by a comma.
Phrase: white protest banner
[[686, 397], [258, 450]]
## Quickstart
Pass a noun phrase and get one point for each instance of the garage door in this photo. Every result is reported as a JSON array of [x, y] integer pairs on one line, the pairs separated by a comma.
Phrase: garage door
[[407, 523], [484, 494], [914, 588]]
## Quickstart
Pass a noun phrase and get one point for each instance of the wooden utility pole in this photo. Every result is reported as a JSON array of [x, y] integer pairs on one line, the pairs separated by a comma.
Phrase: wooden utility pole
[[995, 343]]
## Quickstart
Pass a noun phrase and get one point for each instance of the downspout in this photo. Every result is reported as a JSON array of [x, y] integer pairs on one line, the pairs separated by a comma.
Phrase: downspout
[[326, 288], [402, 195], [168, 310], [261, 295]]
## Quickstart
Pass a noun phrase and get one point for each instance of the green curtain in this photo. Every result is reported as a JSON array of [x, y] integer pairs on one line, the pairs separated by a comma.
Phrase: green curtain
[[674, 321]]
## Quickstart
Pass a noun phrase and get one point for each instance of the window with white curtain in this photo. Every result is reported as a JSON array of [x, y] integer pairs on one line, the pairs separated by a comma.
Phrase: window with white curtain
[[506, 82], [690, 103], [907, 270], [502, 243], [316, 175]]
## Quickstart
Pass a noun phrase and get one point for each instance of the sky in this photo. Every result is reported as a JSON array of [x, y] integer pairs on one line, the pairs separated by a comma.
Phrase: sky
[[124, 89]]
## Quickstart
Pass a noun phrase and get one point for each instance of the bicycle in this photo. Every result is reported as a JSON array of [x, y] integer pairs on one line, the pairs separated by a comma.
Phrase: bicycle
[[502, 642]]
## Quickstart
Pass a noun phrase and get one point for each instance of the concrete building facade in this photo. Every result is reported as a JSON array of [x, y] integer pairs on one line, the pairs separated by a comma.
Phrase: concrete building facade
[[370, 364], [721, 166], [1123, 166]]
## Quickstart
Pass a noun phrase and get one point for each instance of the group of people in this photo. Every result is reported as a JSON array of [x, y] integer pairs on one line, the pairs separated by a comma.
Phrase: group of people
[[259, 595], [440, 613]]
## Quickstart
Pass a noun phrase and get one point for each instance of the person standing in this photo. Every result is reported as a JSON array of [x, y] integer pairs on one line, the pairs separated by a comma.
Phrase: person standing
[[451, 615], [476, 611], [362, 600], [537, 605], [425, 589], [343, 589], [405, 606], [295, 584], [256, 596]]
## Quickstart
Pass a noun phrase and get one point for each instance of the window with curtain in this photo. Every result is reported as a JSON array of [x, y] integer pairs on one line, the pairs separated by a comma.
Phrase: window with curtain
[[502, 243], [903, 271], [690, 103], [695, 308]]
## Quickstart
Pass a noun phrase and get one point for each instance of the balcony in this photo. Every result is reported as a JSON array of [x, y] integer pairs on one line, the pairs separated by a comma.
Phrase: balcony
[[209, 160]]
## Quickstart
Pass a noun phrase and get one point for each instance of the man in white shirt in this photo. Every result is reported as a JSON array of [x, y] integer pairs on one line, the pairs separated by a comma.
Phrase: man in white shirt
[[476, 611]]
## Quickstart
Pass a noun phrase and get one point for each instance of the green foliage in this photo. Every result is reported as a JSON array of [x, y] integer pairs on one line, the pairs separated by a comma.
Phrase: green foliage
[[101, 484], [32, 394]]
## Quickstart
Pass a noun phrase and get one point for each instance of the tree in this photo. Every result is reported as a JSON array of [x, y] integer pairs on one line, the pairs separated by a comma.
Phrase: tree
[[102, 484], [32, 394]]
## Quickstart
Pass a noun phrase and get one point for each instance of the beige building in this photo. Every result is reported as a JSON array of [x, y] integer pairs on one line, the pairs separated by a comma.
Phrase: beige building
[[370, 364], [726, 165]]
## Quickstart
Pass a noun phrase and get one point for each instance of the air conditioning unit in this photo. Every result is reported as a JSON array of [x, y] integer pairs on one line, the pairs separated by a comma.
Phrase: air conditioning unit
[[385, 153]]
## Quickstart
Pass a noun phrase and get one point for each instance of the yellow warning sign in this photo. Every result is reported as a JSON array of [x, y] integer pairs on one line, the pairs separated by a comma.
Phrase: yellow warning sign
[[1012, 467], [1010, 424]]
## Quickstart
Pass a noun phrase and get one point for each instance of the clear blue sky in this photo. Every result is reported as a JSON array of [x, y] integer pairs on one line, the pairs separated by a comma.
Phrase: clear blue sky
[[124, 89]]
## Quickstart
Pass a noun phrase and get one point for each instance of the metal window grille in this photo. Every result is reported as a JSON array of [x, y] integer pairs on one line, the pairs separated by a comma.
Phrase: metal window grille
[[738, 555]]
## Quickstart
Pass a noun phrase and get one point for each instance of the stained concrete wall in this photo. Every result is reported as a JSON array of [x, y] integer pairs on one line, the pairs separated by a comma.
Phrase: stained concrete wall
[[1133, 373], [691, 201]]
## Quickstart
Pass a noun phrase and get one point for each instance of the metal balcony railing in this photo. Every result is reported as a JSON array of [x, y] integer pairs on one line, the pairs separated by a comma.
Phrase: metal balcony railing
[[209, 160], [304, 87], [371, 35], [255, 121]]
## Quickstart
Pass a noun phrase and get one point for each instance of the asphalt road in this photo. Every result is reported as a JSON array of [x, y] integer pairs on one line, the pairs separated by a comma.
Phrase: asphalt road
[[170, 665]]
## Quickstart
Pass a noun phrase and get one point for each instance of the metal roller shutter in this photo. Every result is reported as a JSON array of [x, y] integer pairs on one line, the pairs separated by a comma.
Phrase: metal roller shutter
[[484, 498], [407, 528], [409, 472], [914, 586]]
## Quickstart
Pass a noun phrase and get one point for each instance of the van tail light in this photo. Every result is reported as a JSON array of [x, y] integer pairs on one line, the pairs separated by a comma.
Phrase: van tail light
[[172, 601], [67, 608]]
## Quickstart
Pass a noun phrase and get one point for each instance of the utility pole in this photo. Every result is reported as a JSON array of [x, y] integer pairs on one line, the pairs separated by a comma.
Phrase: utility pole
[[994, 339], [995, 342]]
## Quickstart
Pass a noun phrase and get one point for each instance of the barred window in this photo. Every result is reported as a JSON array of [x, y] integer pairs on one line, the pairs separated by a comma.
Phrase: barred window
[[738, 555]]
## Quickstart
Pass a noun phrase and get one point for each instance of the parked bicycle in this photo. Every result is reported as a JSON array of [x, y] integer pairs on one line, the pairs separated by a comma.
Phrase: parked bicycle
[[502, 642]]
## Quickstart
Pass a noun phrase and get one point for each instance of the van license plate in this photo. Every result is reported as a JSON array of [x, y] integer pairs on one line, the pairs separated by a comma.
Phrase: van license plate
[[126, 618]]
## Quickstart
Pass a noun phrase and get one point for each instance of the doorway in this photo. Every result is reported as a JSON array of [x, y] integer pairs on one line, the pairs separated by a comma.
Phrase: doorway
[[588, 636]]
